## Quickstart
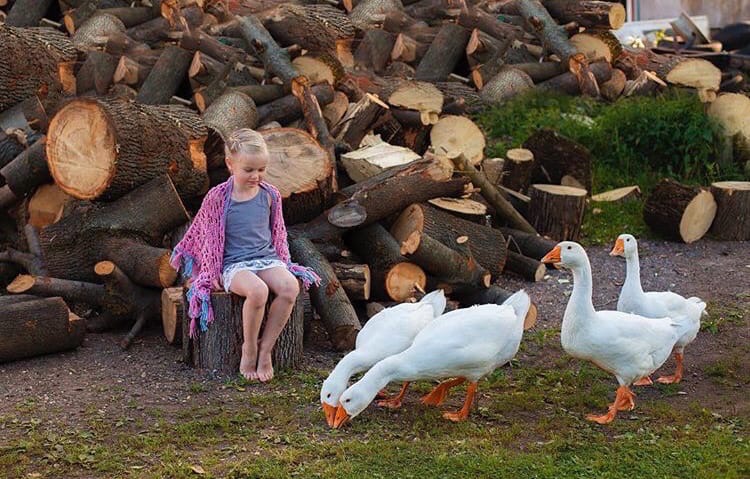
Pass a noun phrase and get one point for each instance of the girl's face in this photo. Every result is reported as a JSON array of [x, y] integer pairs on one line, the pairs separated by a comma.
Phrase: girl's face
[[248, 169]]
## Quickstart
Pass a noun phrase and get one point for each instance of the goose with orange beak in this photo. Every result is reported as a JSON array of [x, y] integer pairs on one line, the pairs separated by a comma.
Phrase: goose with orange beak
[[465, 345], [656, 304], [389, 332], [626, 345]]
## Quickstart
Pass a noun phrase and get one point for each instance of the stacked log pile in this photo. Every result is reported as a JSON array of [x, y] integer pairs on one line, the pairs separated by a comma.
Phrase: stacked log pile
[[113, 115]]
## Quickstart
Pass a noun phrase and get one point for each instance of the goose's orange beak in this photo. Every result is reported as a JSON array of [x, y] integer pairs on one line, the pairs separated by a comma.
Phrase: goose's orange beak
[[619, 248], [553, 256], [341, 417], [330, 413]]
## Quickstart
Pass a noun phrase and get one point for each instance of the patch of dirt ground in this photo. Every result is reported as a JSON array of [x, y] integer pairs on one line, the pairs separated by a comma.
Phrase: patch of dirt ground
[[101, 378]]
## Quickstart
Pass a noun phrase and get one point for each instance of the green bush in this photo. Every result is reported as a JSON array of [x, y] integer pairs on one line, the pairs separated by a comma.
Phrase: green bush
[[633, 141]]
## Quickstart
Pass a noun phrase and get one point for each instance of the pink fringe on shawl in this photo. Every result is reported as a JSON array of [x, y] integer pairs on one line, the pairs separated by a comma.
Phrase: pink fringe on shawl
[[201, 251]]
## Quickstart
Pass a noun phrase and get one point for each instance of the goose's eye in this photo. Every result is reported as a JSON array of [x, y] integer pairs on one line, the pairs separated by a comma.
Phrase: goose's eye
[[348, 400], [627, 239], [329, 395], [570, 247]]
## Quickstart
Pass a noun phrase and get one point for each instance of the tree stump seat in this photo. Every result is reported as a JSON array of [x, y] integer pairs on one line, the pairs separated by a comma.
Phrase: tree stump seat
[[219, 349]]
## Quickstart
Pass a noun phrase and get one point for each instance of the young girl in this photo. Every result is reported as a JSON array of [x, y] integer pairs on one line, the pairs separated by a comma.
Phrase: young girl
[[238, 238]]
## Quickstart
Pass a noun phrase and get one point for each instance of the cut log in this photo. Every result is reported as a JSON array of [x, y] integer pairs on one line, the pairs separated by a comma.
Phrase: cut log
[[557, 211], [317, 28], [96, 73], [444, 53], [393, 276], [197, 41], [159, 29], [613, 88], [557, 157], [287, 109], [527, 268], [329, 299], [28, 116], [588, 13], [172, 312], [473, 17], [517, 169], [732, 111], [127, 300], [493, 169], [219, 349], [531, 245], [619, 195], [486, 245], [504, 210], [72, 246], [203, 69], [597, 45], [568, 83], [355, 279], [27, 13], [465, 208], [732, 220], [678, 211], [369, 12], [165, 77], [230, 112], [35, 61], [130, 16], [262, 94], [7, 300], [46, 205], [335, 111], [33, 328], [374, 50], [143, 264], [458, 134], [507, 83], [358, 120], [96, 29], [319, 69], [372, 159], [446, 263], [132, 144], [421, 96], [131, 72], [555, 38], [70, 291], [691, 72], [302, 171], [27, 171], [495, 295]]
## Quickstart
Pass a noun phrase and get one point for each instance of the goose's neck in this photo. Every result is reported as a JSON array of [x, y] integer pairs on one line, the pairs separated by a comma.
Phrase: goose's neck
[[379, 376], [633, 274], [580, 304], [354, 362]]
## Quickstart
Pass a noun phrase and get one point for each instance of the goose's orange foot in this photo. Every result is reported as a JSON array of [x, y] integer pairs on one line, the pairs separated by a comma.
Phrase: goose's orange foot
[[382, 394], [604, 419], [673, 379], [625, 402], [457, 416], [392, 403], [437, 396], [644, 381]]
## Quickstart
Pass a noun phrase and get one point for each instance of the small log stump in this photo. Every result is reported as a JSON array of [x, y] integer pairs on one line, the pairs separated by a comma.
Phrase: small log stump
[[557, 211], [732, 220], [679, 211], [219, 349]]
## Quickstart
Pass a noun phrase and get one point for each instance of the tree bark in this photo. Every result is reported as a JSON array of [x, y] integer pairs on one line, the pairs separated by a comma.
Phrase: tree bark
[[531, 245], [558, 157], [158, 29], [27, 13], [130, 144], [73, 245], [36, 327], [588, 13], [732, 210], [96, 73], [165, 77], [329, 299], [37, 61], [287, 109], [517, 168], [444, 53], [143, 264], [393, 276], [678, 211], [355, 279], [557, 211], [316, 28], [70, 291], [485, 245], [527, 268], [27, 171], [568, 83]]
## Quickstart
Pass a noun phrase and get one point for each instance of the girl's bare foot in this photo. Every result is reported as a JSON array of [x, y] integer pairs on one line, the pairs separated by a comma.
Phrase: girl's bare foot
[[247, 362], [265, 367]]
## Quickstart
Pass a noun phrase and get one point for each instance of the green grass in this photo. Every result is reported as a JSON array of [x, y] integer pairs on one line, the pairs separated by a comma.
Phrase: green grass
[[603, 222]]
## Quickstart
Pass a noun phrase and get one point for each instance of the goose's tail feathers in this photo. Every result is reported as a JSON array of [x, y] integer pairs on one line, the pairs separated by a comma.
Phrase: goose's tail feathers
[[437, 300], [521, 302]]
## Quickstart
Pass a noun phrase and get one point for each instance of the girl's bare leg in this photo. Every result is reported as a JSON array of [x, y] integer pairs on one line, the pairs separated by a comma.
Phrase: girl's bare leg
[[255, 292], [285, 287]]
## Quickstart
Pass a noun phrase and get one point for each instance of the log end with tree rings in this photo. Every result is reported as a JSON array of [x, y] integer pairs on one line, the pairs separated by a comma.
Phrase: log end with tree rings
[[732, 220], [403, 279], [172, 309], [458, 134], [679, 211], [557, 211], [618, 195], [302, 171], [408, 229], [82, 149]]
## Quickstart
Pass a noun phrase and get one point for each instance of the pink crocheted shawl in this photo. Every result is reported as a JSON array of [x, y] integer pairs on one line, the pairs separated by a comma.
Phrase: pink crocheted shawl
[[200, 253]]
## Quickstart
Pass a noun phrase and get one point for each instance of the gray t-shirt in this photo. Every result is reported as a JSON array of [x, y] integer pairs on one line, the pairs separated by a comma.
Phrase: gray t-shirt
[[248, 230]]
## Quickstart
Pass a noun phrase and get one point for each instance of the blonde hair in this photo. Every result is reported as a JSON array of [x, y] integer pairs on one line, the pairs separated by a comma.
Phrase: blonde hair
[[245, 141]]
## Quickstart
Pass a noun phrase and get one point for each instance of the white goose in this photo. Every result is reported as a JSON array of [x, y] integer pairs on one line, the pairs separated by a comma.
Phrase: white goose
[[465, 344], [388, 332], [626, 345], [656, 304]]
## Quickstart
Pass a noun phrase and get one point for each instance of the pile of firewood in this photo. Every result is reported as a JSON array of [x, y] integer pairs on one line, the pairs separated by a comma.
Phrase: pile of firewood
[[113, 115]]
